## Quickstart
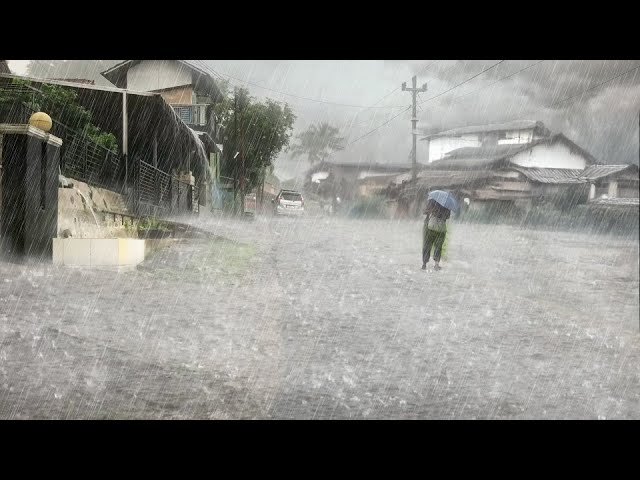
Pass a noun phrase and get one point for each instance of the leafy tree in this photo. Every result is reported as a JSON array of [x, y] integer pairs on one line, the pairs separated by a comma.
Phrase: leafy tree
[[61, 104], [260, 130], [318, 142]]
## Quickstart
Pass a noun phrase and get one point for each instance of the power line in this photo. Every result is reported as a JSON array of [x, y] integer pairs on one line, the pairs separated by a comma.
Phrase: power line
[[431, 98], [398, 88], [500, 79], [299, 96], [462, 83], [378, 127], [595, 86]]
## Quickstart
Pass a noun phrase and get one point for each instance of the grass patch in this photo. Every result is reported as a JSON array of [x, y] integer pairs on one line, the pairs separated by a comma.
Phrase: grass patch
[[231, 257], [199, 261]]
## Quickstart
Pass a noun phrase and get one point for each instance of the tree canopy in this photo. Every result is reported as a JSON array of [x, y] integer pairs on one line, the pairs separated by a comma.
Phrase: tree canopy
[[61, 104], [259, 130], [318, 142]]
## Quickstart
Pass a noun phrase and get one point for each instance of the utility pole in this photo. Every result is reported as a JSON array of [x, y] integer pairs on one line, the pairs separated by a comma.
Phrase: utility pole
[[414, 121]]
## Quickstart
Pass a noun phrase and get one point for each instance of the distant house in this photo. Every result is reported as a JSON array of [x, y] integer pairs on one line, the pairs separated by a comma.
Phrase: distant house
[[484, 136], [616, 185], [190, 91], [525, 173], [555, 151], [349, 180]]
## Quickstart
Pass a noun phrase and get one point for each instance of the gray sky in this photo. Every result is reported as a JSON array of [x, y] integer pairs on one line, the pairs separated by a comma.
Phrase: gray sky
[[603, 120]]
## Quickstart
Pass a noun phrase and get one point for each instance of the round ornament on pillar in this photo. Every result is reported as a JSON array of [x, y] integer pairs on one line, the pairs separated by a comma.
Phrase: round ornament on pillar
[[41, 120]]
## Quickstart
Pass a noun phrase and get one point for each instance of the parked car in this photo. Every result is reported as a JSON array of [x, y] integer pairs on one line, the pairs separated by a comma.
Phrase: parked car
[[288, 202]]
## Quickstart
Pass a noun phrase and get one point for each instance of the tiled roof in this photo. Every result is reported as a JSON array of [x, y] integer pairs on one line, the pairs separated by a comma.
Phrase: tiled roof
[[594, 172], [494, 127], [552, 175]]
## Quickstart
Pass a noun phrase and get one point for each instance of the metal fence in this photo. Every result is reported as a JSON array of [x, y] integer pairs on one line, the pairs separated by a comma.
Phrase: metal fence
[[158, 194], [81, 157], [86, 161], [155, 193]]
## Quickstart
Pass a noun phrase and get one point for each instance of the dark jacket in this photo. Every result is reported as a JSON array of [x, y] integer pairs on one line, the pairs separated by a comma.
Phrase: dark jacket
[[437, 210]]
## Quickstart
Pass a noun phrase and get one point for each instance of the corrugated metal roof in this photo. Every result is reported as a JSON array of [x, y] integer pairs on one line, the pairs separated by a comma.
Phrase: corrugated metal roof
[[66, 83], [552, 175]]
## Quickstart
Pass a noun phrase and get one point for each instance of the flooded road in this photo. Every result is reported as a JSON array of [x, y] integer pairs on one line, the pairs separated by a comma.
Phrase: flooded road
[[330, 318]]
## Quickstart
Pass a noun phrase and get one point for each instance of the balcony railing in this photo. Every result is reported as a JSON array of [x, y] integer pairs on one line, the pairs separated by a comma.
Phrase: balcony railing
[[192, 114]]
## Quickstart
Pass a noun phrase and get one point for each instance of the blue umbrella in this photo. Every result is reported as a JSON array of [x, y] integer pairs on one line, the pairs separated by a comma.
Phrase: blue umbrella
[[446, 199]]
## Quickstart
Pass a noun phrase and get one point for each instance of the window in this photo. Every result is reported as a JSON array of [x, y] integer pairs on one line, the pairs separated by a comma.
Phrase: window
[[184, 113]]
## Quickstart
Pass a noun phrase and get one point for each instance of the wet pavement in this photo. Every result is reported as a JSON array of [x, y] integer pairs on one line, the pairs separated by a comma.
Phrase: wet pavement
[[330, 318]]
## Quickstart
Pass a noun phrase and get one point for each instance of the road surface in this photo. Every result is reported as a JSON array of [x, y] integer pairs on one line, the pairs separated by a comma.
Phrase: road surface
[[328, 318]]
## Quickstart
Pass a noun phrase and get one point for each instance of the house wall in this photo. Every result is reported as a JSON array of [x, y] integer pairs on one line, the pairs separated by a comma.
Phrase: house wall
[[617, 187], [628, 192], [180, 95], [440, 146], [557, 155], [151, 75]]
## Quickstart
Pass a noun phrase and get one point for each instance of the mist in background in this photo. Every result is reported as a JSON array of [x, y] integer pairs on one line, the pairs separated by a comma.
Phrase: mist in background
[[595, 103]]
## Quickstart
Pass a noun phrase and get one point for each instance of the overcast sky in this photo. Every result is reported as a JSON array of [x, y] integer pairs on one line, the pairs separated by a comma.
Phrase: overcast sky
[[602, 119]]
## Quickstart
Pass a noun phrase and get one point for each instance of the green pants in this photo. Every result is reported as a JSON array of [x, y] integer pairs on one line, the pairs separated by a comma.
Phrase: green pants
[[432, 240]]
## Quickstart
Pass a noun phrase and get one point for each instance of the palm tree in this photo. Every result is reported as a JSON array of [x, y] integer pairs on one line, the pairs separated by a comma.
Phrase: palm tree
[[317, 142]]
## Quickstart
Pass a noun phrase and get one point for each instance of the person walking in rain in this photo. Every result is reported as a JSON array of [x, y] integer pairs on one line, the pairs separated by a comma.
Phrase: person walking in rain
[[434, 230]]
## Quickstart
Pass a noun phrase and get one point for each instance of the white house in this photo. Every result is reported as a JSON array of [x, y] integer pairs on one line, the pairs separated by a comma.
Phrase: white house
[[484, 136], [555, 152]]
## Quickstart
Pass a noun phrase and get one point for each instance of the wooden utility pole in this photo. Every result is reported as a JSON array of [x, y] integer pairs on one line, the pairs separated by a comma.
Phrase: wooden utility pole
[[414, 121]]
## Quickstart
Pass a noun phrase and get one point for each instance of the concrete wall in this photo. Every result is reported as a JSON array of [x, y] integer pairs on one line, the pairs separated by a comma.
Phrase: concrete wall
[[91, 212], [151, 75], [98, 252], [557, 155]]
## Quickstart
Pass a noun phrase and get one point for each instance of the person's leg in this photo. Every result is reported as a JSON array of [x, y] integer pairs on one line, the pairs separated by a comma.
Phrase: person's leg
[[425, 232], [437, 250], [426, 251]]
